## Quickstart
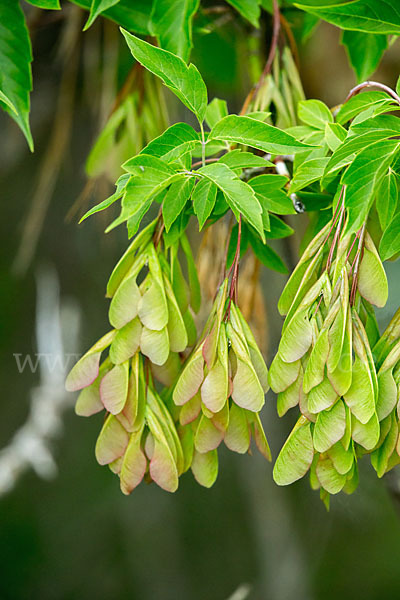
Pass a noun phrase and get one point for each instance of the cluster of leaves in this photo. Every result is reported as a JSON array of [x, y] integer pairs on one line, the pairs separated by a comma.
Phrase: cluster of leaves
[[331, 361], [366, 25]]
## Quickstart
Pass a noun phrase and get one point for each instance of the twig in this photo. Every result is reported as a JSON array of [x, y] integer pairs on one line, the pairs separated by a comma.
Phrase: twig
[[367, 84], [268, 65]]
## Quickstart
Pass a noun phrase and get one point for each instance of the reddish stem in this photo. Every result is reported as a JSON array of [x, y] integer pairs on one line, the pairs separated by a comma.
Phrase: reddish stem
[[271, 55], [356, 265], [367, 84]]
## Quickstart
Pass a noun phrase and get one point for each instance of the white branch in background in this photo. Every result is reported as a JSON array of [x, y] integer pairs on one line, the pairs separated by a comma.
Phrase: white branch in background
[[57, 327]]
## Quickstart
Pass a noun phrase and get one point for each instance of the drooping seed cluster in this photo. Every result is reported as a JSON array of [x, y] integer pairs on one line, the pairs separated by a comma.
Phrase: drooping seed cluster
[[325, 364], [222, 386], [153, 432]]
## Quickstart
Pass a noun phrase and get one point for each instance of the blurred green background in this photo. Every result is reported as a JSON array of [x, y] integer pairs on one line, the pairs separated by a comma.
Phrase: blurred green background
[[75, 536]]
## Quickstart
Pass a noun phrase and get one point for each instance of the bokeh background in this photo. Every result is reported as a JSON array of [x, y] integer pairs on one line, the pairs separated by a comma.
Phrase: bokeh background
[[66, 531]]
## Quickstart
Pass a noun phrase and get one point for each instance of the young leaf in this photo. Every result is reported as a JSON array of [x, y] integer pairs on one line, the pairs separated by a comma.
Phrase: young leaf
[[386, 198], [15, 66], [121, 185], [173, 143], [248, 131], [239, 195], [175, 200], [390, 242], [203, 198], [96, 8], [267, 256], [365, 51], [216, 110], [249, 9], [186, 82], [269, 192], [368, 15], [314, 113], [171, 22]]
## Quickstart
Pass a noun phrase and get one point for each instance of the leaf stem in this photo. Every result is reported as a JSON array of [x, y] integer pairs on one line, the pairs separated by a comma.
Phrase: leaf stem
[[203, 145]]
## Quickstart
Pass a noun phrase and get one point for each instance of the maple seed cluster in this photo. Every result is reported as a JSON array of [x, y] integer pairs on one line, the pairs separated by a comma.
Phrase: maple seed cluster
[[162, 420], [325, 364]]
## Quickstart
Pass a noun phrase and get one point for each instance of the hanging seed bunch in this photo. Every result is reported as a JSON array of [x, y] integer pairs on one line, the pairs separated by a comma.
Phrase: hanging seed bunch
[[222, 387], [324, 362], [386, 353], [217, 396], [152, 324]]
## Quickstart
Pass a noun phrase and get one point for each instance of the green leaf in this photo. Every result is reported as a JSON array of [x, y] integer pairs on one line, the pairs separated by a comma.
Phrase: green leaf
[[314, 113], [365, 51], [386, 198], [249, 9], [335, 134], [171, 22], [203, 198], [362, 102], [267, 256], [360, 15], [398, 86], [134, 17], [173, 143], [296, 455], [308, 172], [216, 110], [390, 242], [175, 200], [46, 4], [269, 192], [15, 66], [139, 195], [278, 229], [96, 8], [121, 184], [186, 82], [362, 178], [248, 131], [238, 194], [237, 159]]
